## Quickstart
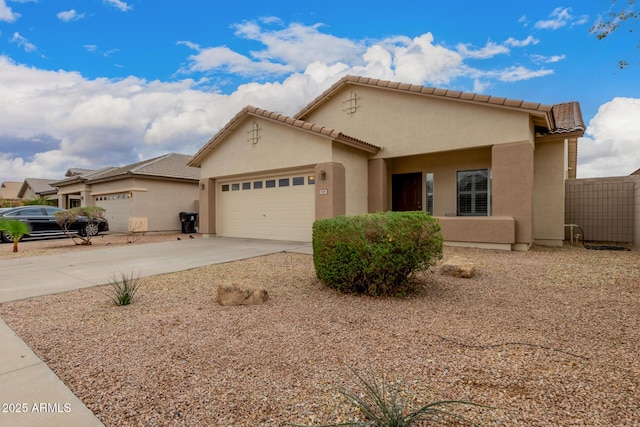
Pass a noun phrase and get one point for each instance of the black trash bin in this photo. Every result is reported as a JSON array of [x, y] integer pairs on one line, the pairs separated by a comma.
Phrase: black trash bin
[[188, 220]]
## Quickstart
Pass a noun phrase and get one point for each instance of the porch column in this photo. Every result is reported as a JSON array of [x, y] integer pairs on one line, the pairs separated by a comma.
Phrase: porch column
[[207, 207], [377, 182], [63, 201], [330, 190], [512, 186], [85, 198]]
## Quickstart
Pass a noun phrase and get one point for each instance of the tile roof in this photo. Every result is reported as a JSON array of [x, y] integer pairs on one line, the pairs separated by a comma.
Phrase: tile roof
[[10, 189], [286, 120], [81, 177], [170, 165], [38, 186], [544, 115], [78, 171], [567, 118]]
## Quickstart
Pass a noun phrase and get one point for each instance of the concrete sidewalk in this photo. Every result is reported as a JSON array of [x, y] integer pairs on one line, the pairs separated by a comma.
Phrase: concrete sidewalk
[[30, 393]]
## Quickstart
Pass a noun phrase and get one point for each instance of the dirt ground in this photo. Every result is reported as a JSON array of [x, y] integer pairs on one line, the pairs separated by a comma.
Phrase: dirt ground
[[548, 337], [27, 248]]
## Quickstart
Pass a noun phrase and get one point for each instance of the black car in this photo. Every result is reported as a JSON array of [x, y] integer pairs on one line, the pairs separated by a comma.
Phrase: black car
[[42, 223]]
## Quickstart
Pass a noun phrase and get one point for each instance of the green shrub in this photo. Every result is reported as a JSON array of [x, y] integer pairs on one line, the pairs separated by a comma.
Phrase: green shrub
[[123, 290], [375, 254]]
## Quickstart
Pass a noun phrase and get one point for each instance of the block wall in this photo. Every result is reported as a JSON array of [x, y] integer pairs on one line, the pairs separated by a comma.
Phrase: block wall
[[607, 209]]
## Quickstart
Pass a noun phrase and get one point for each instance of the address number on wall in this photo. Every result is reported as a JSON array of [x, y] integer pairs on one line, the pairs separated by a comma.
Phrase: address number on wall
[[324, 191]]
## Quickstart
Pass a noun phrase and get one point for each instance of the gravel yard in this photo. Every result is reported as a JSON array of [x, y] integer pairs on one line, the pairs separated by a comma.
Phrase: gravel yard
[[550, 337], [28, 248]]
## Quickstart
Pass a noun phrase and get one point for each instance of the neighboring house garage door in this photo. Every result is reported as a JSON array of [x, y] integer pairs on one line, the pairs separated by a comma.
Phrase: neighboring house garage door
[[278, 207], [118, 207]]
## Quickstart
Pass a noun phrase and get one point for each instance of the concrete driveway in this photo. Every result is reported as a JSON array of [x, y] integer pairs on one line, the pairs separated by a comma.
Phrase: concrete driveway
[[43, 275], [30, 393]]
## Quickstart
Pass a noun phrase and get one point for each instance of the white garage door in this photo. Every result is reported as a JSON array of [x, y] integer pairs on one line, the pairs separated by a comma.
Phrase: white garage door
[[118, 207], [280, 207]]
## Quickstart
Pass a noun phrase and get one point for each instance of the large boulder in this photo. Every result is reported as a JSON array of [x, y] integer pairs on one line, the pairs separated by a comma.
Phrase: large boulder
[[457, 266], [236, 294]]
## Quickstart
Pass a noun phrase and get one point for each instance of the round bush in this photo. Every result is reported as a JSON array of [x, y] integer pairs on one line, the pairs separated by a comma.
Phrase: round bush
[[375, 254]]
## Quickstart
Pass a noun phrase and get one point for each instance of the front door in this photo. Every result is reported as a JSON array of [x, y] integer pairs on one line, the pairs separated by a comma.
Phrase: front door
[[406, 191]]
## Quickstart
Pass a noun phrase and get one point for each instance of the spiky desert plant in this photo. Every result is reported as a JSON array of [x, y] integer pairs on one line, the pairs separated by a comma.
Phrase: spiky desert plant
[[382, 405], [124, 289]]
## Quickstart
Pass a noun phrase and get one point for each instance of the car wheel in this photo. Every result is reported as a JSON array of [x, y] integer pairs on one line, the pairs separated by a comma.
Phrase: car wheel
[[6, 238], [90, 230]]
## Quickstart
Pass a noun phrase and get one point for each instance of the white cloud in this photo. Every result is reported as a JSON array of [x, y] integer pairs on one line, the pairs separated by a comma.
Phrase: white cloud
[[490, 50], [558, 18], [286, 50], [509, 74], [521, 43], [92, 48], [23, 42], [612, 145], [120, 5], [480, 86], [224, 59], [421, 61], [514, 74], [70, 15], [102, 122], [299, 45], [541, 59], [6, 14]]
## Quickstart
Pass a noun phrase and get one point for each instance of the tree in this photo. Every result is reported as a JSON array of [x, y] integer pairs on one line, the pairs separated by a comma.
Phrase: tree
[[13, 230], [38, 200], [69, 216], [605, 27]]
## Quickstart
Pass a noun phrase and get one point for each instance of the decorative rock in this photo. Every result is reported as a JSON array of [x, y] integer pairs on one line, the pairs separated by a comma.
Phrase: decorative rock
[[457, 266], [234, 294]]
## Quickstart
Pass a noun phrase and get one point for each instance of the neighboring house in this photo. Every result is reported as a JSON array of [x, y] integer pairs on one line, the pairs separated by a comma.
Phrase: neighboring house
[[75, 190], [9, 190], [144, 196], [491, 169], [33, 188]]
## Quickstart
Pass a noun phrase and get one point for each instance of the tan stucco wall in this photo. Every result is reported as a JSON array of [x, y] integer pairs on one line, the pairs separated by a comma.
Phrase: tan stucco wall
[[330, 195], [158, 201], [420, 124], [355, 163], [163, 201], [207, 206], [72, 188], [29, 194], [444, 167], [377, 184], [548, 199], [512, 186], [278, 147], [479, 229]]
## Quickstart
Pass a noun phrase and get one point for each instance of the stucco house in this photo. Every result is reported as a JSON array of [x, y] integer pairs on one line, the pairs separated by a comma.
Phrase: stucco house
[[33, 188], [491, 169], [143, 196]]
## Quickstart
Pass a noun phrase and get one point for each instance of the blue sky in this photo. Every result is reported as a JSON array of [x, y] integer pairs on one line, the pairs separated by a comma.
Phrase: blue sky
[[94, 83]]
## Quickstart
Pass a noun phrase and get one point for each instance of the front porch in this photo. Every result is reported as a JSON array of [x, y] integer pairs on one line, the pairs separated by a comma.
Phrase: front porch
[[483, 197]]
